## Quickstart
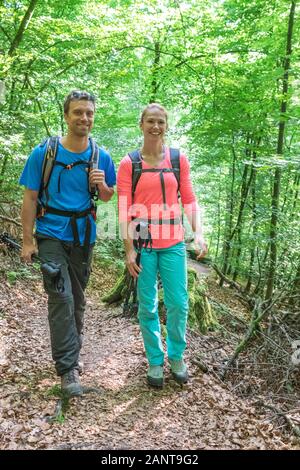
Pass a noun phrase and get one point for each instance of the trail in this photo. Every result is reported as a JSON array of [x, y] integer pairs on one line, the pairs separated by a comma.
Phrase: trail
[[123, 412]]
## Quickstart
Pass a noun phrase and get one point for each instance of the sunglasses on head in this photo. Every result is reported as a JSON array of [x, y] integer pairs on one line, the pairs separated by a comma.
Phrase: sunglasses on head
[[82, 95]]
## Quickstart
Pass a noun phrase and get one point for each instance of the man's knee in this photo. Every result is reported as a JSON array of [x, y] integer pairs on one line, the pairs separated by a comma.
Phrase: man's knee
[[59, 298]]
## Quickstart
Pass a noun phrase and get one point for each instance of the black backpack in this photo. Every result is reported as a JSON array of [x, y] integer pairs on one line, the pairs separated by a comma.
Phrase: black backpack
[[137, 170], [144, 239], [48, 164], [50, 161]]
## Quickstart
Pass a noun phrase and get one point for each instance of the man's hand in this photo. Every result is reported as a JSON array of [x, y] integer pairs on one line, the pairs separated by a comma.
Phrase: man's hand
[[28, 249], [96, 177], [201, 248]]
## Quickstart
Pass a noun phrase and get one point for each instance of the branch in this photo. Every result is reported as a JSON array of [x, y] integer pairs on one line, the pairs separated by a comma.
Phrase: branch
[[229, 281], [11, 221], [5, 33], [39, 106], [258, 314], [294, 428], [24, 23]]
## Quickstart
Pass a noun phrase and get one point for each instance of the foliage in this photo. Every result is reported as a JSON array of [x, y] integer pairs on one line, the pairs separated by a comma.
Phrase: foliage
[[218, 67]]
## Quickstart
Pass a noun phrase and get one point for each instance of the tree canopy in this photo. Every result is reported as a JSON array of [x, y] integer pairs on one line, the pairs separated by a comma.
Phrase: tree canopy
[[227, 71]]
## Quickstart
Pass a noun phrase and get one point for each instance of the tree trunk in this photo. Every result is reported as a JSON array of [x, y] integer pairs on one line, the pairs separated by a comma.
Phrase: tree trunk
[[154, 83], [229, 216], [254, 227], [201, 314], [277, 175], [23, 25]]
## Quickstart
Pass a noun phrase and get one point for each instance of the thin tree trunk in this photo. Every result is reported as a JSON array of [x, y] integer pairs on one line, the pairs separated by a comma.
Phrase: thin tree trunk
[[219, 220], [238, 227], [254, 227], [229, 216], [237, 230], [260, 285], [277, 175], [39, 108], [294, 300], [296, 195], [23, 25], [154, 83]]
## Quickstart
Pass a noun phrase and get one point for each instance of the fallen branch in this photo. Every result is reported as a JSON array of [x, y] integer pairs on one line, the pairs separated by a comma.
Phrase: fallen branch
[[259, 314], [11, 221], [235, 285], [294, 428], [226, 279], [200, 364], [255, 320]]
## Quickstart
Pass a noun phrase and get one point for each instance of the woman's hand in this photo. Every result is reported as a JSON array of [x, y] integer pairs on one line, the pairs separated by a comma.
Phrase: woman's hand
[[131, 264], [201, 248]]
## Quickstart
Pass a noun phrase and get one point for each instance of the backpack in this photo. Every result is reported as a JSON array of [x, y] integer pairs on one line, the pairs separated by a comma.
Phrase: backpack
[[50, 161], [137, 170], [48, 164], [144, 239]]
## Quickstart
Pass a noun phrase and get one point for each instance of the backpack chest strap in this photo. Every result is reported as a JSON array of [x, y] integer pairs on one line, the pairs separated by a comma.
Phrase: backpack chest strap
[[161, 172], [69, 166], [137, 170]]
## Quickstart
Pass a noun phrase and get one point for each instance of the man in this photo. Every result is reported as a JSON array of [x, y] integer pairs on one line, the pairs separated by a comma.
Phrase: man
[[65, 228]]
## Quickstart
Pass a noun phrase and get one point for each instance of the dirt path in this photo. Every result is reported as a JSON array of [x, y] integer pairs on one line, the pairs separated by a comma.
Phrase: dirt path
[[124, 413], [202, 269]]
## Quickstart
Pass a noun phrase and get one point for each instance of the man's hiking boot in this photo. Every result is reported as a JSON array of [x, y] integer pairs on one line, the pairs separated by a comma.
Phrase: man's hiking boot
[[179, 371], [155, 376], [70, 383]]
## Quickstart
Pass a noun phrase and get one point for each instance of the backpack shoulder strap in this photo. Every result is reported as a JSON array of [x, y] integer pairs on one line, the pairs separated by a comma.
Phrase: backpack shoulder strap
[[136, 161], [175, 162], [48, 161], [94, 165]]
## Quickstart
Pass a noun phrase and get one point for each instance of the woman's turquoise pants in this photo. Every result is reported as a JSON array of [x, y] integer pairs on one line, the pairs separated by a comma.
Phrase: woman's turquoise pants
[[171, 265]]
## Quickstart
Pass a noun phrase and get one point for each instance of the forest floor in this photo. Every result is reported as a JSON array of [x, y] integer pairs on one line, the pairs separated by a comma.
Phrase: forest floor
[[120, 411]]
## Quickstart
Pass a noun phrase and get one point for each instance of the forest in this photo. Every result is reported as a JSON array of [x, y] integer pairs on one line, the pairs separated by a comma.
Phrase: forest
[[228, 72]]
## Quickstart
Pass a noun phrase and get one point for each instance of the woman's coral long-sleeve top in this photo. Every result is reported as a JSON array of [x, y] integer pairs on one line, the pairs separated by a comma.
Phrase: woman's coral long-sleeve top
[[148, 199]]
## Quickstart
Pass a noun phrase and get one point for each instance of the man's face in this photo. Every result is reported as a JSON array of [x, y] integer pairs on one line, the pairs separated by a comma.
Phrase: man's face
[[80, 117]]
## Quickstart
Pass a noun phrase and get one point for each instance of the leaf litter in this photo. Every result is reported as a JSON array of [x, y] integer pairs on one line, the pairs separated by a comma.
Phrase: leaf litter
[[120, 411]]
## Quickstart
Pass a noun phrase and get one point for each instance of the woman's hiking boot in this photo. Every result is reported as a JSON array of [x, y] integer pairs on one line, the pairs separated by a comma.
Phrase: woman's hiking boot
[[155, 376], [179, 370], [70, 383]]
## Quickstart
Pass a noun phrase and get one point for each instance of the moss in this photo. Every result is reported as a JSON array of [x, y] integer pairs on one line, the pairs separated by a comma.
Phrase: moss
[[201, 315], [118, 292]]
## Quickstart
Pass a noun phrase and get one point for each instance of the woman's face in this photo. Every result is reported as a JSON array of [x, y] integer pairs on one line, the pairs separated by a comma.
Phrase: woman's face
[[154, 124]]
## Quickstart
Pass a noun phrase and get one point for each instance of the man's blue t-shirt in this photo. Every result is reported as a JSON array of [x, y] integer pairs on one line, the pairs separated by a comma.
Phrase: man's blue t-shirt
[[68, 189]]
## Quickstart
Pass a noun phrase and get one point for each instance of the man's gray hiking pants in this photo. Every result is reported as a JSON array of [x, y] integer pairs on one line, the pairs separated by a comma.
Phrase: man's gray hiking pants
[[66, 302]]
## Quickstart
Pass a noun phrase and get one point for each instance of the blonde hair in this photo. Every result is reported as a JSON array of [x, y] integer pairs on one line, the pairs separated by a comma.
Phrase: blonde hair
[[153, 105]]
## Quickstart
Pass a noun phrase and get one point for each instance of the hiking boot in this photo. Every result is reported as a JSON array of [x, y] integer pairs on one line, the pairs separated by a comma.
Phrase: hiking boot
[[70, 383], [155, 376], [179, 371]]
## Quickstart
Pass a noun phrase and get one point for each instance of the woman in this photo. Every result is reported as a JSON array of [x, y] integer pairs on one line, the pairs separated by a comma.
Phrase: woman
[[150, 205]]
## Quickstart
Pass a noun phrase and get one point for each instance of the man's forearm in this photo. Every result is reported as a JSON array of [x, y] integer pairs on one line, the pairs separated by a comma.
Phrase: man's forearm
[[28, 215], [105, 192]]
